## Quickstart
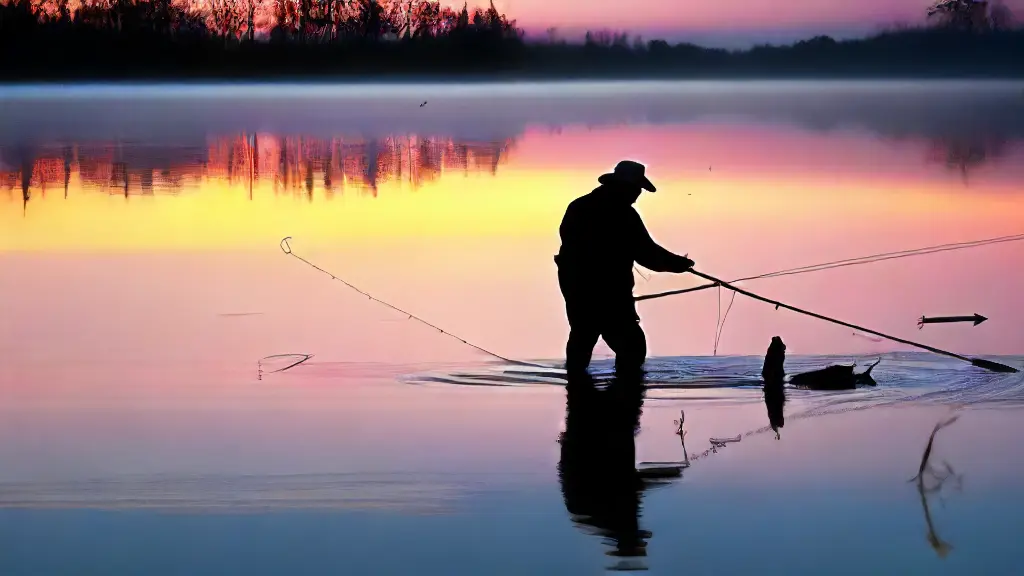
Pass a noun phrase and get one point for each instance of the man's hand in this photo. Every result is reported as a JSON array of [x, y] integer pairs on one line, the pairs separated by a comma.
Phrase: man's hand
[[684, 265]]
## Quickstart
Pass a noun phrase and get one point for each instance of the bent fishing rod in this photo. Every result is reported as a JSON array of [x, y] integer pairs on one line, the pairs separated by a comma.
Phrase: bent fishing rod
[[979, 362]]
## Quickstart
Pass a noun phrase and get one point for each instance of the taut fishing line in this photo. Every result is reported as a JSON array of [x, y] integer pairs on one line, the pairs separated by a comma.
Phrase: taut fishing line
[[849, 262], [887, 256], [287, 249], [720, 325]]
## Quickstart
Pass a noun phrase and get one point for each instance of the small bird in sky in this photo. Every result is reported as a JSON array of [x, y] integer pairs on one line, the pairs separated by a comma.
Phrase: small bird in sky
[[424, 104]]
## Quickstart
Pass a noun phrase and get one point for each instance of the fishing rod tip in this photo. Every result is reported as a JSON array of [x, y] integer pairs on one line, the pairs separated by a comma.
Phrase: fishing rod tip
[[993, 366], [285, 246]]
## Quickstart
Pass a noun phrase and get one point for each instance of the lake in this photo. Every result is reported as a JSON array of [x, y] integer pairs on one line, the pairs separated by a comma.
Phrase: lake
[[149, 422]]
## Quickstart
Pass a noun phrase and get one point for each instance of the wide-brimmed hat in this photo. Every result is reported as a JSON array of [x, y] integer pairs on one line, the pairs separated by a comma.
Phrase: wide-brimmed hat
[[628, 173]]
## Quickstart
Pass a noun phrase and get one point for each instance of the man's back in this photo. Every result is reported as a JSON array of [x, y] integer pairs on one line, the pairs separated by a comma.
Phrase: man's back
[[599, 234]]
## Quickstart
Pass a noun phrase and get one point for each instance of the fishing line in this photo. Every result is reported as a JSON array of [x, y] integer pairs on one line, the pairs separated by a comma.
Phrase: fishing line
[[849, 262], [287, 249], [886, 256], [718, 321], [721, 326]]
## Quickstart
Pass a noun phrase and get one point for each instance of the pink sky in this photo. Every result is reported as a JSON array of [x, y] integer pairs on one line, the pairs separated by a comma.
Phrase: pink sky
[[733, 23]]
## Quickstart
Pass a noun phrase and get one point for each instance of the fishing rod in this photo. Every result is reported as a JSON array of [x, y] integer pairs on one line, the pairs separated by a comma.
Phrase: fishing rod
[[979, 362]]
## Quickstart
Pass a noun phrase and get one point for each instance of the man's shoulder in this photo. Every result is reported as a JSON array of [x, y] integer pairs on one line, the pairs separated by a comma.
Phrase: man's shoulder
[[583, 203], [587, 198]]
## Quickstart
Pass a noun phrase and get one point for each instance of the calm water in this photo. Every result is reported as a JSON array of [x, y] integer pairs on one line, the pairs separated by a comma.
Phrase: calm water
[[142, 283]]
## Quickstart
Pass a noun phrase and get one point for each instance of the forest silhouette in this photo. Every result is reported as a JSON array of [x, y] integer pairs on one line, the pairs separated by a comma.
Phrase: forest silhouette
[[240, 39]]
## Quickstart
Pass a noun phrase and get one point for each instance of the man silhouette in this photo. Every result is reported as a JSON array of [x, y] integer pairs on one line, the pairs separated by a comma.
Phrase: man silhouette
[[602, 237]]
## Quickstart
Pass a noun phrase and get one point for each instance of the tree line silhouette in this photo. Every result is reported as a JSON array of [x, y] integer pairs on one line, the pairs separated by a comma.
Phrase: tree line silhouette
[[273, 38]]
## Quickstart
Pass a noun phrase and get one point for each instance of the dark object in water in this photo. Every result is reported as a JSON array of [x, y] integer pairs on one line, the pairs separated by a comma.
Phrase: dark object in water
[[774, 370], [774, 374], [835, 377], [775, 402]]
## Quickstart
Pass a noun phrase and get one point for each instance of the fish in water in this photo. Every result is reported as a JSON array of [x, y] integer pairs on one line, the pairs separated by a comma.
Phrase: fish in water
[[835, 377]]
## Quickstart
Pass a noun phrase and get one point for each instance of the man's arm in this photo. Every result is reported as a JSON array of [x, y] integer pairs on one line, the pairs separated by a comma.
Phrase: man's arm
[[652, 256]]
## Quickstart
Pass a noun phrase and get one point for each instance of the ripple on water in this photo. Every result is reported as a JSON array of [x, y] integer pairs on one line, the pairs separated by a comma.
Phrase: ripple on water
[[901, 377]]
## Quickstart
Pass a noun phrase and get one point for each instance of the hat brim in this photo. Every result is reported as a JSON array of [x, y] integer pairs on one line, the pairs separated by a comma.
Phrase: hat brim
[[642, 182]]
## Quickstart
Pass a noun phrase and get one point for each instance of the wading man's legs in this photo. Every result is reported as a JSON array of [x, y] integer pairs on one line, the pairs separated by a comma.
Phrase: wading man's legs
[[580, 347], [626, 338], [621, 331]]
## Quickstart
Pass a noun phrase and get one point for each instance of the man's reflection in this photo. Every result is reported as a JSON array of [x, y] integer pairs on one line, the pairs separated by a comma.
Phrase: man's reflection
[[597, 469]]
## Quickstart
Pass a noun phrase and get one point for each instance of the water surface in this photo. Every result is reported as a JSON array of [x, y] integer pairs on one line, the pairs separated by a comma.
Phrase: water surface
[[143, 282]]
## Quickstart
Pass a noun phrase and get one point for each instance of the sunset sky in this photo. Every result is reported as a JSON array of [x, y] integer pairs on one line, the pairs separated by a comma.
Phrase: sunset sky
[[735, 23]]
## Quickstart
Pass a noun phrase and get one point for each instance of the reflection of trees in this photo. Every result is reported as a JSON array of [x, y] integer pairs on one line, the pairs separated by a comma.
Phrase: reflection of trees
[[299, 164], [296, 165], [965, 154]]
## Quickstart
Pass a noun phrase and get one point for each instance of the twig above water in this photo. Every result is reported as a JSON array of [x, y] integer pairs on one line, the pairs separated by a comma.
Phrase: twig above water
[[300, 359]]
